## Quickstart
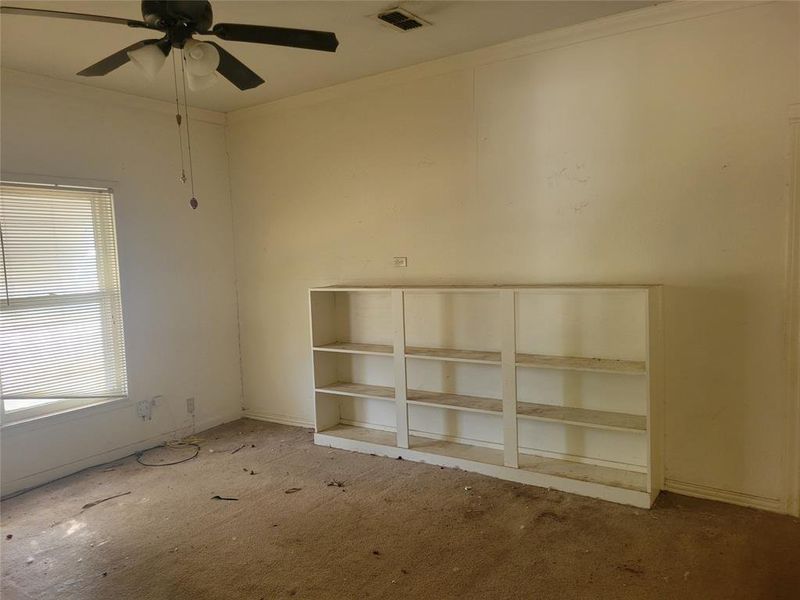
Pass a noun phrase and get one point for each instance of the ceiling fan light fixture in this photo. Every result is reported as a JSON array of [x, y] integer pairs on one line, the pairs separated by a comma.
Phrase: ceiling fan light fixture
[[202, 59], [149, 59]]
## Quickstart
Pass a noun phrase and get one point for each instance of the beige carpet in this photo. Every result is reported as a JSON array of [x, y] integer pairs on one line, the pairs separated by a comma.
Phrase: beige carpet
[[394, 529]]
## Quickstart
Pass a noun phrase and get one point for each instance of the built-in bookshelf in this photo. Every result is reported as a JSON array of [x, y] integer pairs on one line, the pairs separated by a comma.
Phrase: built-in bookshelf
[[556, 386]]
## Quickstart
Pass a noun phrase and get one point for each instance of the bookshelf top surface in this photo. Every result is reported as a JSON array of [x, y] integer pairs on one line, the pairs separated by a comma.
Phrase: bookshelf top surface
[[476, 287]]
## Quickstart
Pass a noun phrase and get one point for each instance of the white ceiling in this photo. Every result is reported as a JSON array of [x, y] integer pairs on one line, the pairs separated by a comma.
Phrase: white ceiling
[[59, 48]]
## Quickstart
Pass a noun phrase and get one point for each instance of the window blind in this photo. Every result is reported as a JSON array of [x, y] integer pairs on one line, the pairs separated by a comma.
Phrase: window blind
[[61, 335]]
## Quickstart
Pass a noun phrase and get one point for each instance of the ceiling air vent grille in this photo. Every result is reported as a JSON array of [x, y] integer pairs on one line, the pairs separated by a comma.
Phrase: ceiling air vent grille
[[401, 19]]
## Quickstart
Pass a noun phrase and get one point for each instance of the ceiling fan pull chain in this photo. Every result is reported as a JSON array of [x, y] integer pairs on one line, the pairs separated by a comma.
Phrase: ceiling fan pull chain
[[193, 202], [178, 117]]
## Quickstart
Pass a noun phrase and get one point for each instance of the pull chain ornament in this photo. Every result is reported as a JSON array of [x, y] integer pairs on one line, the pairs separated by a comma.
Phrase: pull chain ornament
[[179, 120]]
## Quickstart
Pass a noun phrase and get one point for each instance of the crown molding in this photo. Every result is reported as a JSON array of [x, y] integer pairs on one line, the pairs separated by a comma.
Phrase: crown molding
[[12, 77], [654, 16]]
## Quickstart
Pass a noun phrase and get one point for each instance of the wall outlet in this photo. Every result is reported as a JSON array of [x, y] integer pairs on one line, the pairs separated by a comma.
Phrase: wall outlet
[[190, 405], [400, 261], [144, 409]]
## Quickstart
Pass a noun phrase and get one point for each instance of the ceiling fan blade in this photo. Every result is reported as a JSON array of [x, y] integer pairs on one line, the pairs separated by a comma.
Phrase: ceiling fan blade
[[58, 14], [277, 36], [116, 60], [235, 71]]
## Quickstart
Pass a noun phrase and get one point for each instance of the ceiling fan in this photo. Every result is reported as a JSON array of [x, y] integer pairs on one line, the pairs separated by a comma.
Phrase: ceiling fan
[[179, 21]]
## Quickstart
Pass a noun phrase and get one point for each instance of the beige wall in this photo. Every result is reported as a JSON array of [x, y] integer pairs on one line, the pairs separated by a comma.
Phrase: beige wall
[[176, 265], [621, 153]]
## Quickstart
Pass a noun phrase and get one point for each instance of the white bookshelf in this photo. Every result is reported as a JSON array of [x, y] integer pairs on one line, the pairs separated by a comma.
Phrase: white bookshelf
[[555, 386]]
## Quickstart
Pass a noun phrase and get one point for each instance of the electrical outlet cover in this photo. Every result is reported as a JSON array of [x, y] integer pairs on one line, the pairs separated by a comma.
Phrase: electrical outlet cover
[[144, 408]]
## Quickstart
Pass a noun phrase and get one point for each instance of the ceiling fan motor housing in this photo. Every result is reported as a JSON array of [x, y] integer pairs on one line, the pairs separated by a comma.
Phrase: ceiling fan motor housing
[[178, 18]]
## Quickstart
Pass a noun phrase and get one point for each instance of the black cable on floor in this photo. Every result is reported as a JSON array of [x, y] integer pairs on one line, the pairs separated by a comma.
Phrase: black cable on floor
[[139, 455]]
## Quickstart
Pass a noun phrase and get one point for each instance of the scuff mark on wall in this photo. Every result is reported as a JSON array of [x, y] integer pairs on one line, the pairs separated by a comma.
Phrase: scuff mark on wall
[[569, 174]]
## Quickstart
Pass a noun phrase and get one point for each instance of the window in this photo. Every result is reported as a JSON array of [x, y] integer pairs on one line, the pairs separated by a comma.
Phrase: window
[[61, 337]]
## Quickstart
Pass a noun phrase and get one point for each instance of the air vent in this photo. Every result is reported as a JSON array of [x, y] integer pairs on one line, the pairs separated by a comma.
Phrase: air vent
[[401, 19]]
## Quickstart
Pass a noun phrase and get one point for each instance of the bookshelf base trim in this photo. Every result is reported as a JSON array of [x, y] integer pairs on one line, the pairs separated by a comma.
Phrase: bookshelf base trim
[[380, 443]]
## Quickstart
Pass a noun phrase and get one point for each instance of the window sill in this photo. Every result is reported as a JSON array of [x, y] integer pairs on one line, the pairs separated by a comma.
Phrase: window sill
[[64, 415]]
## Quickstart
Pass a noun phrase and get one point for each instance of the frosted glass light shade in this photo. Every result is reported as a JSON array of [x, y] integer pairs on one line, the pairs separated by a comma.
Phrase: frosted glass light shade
[[202, 59], [149, 59]]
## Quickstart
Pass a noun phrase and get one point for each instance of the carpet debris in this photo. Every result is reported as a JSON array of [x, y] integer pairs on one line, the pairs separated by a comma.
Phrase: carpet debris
[[551, 516], [335, 483], [636, 570], [239, 448], [96, 502], [292, 490], [223, 498]]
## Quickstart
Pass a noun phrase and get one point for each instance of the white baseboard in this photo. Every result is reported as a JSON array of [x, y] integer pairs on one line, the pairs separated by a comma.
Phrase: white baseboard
[[276, 418], [57, 472], [710, 493]]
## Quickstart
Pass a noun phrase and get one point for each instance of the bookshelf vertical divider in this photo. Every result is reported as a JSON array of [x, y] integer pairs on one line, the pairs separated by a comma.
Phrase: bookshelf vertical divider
[[400, 380], [508, 359], [655, 388]]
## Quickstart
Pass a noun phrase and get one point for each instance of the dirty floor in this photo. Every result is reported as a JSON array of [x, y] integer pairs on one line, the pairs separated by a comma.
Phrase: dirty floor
[[317, 523]]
